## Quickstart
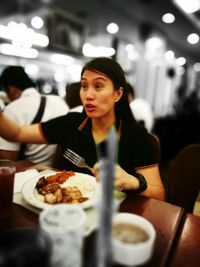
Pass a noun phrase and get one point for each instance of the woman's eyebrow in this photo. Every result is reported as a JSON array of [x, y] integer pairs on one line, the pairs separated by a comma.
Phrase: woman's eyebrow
[[96, 79]]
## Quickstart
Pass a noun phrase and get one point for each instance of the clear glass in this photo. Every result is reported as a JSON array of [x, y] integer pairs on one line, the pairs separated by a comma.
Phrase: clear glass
[[7, 173], [65, 225]]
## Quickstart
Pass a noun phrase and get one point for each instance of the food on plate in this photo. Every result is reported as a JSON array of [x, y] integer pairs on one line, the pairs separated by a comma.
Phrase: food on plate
[[55, 190]]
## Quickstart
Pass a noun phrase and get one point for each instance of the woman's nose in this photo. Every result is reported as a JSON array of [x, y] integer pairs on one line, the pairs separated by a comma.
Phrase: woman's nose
[[89, 93]]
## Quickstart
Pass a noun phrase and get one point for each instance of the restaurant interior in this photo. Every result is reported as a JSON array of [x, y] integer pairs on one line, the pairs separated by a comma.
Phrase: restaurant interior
[[157, 43], [72, 32]]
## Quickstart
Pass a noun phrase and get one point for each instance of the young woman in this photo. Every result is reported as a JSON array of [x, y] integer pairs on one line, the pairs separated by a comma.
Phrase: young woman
[[104, 98]]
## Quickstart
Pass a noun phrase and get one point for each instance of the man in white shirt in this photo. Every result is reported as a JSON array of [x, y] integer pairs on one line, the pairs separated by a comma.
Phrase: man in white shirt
[[2, 105], [140, 108], [25, 101]]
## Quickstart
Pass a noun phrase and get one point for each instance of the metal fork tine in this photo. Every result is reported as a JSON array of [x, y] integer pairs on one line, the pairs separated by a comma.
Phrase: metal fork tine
[[73, 153], [71, 157], [76, 159]]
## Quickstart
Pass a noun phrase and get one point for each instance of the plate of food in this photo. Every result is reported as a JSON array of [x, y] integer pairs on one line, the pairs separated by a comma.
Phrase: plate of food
[[61, 187]]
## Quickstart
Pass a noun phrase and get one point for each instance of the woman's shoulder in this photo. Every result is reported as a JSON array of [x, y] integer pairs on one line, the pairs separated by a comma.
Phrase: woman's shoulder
[[132, 126]]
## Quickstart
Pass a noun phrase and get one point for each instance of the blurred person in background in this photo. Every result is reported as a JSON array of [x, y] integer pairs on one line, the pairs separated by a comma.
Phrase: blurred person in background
[[24, 105], [104, 97], [2, 105], [3, 99], [72, 97], [140, 108], [180, 128]]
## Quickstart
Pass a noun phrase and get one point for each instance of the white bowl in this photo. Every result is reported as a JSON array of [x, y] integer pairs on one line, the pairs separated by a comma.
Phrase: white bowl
[[133, 254]]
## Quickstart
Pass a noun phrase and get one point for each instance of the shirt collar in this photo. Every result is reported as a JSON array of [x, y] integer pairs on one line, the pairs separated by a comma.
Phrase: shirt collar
[[87, 122]]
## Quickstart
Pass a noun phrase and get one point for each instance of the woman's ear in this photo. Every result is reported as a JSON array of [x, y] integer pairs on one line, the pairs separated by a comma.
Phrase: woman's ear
[[119, 94]]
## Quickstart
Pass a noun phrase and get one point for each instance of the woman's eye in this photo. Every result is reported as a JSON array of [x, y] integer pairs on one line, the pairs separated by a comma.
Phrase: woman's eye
[[84, 86], [99, 86]]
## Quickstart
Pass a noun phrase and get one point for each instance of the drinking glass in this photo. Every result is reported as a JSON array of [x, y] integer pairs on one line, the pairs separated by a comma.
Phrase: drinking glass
[[65, 225], [7, 173]]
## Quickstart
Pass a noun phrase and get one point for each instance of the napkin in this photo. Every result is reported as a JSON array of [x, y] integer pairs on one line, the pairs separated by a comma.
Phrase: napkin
[[19, 180], [22, 177]]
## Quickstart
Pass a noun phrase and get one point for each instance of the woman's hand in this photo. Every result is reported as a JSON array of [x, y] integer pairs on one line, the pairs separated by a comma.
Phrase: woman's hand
[[123, 180]]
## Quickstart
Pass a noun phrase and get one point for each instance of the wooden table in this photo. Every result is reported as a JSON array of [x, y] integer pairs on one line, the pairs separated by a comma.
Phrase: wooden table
[[187, 246], [166, 218]]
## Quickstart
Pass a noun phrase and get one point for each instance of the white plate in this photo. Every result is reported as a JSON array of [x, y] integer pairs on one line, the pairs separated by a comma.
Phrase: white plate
[[89, 188]]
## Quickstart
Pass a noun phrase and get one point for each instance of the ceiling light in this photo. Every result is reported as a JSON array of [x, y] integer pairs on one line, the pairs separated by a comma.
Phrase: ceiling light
[[180, 61], [61, 59], [97, 51], [169, 55], [20, 33], [47, 88], [154, 43], [168, 18], [197, 66], [193, 38], [180, 70], [132, 53], [188, 6], [11, 50], [112, 28], [37, 22]]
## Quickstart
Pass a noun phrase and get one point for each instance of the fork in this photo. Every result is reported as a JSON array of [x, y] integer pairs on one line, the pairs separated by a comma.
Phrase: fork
[[76, 159]]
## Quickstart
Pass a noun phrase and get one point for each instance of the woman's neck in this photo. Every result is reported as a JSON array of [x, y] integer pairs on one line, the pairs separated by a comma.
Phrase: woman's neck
[[100, 128]]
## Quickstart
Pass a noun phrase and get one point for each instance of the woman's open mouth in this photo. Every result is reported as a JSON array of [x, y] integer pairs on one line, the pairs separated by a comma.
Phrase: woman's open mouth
[[90, 107]]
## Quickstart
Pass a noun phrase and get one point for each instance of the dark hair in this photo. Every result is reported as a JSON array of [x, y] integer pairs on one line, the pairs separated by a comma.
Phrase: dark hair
[[15, 75], [113, 70], [73, 94]]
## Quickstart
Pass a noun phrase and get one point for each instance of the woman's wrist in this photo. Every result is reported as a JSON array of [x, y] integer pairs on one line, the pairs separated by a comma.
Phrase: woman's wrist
[[142, 184]]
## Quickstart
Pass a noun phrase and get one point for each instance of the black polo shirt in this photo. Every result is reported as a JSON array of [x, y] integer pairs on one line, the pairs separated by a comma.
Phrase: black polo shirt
[[74, 131]]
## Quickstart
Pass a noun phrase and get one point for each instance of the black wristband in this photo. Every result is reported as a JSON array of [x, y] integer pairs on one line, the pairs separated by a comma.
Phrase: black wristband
[[142, 187]]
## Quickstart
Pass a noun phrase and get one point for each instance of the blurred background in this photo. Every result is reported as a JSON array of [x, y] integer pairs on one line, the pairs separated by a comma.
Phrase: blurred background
[[155, 41]]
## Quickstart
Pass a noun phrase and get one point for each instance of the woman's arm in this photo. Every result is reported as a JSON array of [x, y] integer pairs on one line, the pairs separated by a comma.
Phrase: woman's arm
[[155, 188], [126, 181], [12, 131]]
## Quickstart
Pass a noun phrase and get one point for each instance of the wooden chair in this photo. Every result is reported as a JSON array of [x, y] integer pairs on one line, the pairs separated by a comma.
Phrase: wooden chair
[[184, 178], [156, 144]]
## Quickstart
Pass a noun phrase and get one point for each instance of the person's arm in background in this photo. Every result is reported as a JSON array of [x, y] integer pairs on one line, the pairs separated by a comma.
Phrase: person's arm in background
[[11, 131], [8, 154]]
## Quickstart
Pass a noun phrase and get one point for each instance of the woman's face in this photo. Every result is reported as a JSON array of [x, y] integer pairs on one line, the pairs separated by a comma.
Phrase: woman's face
[[98, 94]]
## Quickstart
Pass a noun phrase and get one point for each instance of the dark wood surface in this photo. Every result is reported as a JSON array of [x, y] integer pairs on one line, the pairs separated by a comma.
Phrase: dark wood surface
[[166, 218], [19, 218], [186, 252]]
